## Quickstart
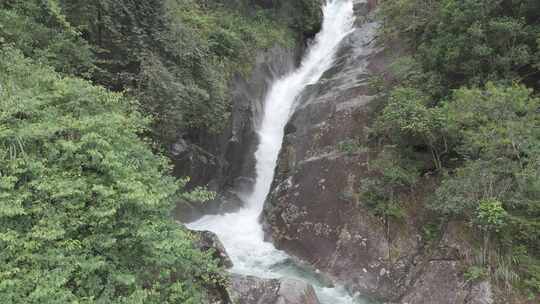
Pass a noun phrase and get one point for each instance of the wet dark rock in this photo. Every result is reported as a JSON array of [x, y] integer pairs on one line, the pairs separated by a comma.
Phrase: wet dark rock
[[296, 292], [206, 241], [247, 290], [226, 201], [225, 162], [180, 147], [253, 290], [362, 7]]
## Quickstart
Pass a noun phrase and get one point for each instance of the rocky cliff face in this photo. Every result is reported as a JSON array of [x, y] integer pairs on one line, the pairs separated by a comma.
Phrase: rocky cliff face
[[225, 162], [314, 211]]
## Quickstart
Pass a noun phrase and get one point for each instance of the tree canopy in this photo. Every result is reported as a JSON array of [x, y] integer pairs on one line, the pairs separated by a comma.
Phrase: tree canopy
[[465, 93], [84, 204]]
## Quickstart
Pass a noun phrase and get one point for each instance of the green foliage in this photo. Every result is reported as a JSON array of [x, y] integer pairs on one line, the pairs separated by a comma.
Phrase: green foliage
[[475, 273], [377, 84], [165, 64], [382, 192], [462, 96], [184, 84], [460, 192], [229, 34], [85, 207], [468, 42], [505, 271], [495, 133], [407, 113], [407, 120], [431, 231], [351, 146], [490, 215], [407, 19], [307, 17], [40, 31], [495, 122], [176, 57], [84, 204], [499, 137]]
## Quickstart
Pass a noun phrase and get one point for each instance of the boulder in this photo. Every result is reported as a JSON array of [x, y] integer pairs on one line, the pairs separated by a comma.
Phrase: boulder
[[207, 240], [296, 292], [253, 290]]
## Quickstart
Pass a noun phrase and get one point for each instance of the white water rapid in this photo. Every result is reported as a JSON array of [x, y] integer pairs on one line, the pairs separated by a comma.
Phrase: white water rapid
[[241, 232]]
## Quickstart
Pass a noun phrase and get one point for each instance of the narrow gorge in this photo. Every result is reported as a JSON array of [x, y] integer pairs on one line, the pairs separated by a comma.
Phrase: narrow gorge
[[316, 228], [241, 231]]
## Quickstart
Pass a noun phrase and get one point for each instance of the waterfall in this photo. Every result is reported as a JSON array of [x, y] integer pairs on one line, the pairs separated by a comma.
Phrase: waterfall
[[279, 104], [241, 233]]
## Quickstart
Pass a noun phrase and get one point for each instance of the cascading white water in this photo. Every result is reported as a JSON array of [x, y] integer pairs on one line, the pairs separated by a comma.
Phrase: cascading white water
[[241, 233]]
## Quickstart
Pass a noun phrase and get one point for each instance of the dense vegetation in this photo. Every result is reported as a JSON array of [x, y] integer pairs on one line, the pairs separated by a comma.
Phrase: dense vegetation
[[85, 204], [175, 56], [466, 100]]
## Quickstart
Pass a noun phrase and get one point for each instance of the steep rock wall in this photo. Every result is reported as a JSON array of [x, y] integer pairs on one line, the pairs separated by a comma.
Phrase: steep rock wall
[[314, 211], [225, 162]]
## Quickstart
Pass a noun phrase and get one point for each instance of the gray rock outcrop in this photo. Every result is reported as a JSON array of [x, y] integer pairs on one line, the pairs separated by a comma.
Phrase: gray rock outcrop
[[206, 241], [252, 290]]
